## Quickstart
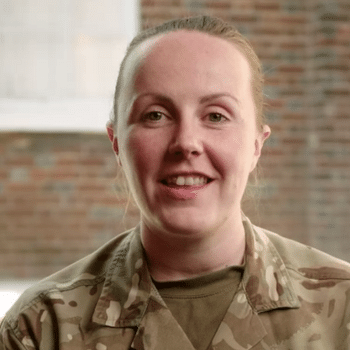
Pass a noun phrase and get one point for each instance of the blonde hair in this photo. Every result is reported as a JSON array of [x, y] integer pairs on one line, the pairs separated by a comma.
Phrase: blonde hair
[[212, 26]]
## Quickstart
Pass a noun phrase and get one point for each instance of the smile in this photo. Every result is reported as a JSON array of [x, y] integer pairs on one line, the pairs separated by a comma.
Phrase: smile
[[182, 180], [184, 187]]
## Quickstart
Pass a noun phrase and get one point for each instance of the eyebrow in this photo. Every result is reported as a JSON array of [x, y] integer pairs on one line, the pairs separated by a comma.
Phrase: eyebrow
[[204, 99], [160, 97], [218, 95]]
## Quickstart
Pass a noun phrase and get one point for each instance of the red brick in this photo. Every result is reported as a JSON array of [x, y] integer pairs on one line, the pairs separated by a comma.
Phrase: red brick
[[63, 173], [293, 45], [267, 6], [337, 92], [275, 103], [334, 17], [299, 19], [15, 161], [334, 67], [3, 174], [21, 188], [38, 174], [244, 18]]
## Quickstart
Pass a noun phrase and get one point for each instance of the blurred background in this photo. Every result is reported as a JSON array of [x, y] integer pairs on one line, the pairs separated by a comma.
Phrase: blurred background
[[60, 196]]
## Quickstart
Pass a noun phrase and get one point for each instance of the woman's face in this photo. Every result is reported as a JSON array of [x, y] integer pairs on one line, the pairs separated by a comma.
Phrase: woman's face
[[188, 139]]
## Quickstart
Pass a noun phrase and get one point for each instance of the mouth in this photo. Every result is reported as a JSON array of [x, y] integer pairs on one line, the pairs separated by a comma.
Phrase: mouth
[[186, 180]]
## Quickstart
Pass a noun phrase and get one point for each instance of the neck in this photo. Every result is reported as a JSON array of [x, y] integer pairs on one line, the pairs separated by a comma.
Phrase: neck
[[174, 257]]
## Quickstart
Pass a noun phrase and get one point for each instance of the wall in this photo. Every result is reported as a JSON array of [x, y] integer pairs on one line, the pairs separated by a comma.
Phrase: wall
[[58, 191], [59, 198]]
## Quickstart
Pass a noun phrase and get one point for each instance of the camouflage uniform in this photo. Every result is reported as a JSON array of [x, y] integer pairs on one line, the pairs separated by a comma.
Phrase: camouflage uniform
[[290, 297]]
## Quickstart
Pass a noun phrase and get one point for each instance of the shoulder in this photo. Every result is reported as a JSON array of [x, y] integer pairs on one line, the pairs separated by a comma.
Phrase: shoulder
[[307, 294], [305, 260], [62, 308], [80, 281]]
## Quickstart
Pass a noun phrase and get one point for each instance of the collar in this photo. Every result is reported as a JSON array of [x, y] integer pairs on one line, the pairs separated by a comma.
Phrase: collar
[[266, 281], [128, 290]]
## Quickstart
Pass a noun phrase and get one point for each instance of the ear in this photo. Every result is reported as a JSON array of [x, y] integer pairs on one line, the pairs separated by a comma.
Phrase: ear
[[110, 132], [259, 142]]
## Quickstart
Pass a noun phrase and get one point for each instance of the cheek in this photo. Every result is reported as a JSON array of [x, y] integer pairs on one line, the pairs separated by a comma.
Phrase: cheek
[[143, 153], [232, 151]]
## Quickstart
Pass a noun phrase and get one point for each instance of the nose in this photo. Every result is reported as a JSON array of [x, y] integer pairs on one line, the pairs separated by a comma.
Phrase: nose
[[187, 141]]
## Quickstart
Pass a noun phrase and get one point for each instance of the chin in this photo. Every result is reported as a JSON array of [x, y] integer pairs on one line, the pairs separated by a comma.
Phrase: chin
[[186, 221], [187, 226]]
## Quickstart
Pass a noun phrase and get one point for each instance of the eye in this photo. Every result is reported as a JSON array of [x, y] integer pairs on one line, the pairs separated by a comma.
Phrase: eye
[[153, 116], [155, 119], [216, 117]]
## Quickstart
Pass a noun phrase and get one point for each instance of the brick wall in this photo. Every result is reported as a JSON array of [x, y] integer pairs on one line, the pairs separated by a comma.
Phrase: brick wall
[[329, 161], [59, 198]]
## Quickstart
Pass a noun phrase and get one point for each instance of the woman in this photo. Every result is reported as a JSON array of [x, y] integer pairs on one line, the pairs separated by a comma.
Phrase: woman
[[188, 130]]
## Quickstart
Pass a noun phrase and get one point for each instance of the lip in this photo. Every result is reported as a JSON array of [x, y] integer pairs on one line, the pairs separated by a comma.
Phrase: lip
[[183, 193]]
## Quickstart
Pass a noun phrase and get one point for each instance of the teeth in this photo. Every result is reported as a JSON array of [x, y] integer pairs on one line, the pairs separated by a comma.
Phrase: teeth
[[187, 180], [180, 181]]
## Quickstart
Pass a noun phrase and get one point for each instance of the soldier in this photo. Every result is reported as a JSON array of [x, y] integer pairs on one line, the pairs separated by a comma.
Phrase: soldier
[[188, 130]]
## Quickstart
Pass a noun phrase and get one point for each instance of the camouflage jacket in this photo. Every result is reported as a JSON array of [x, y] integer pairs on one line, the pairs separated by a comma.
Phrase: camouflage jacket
[[290, 297]]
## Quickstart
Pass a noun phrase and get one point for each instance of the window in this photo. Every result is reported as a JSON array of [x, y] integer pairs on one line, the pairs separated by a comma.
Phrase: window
[[59, 62]]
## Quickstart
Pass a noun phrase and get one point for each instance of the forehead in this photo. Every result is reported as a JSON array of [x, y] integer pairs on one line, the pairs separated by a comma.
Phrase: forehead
[[183, 46], [183, 41]]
